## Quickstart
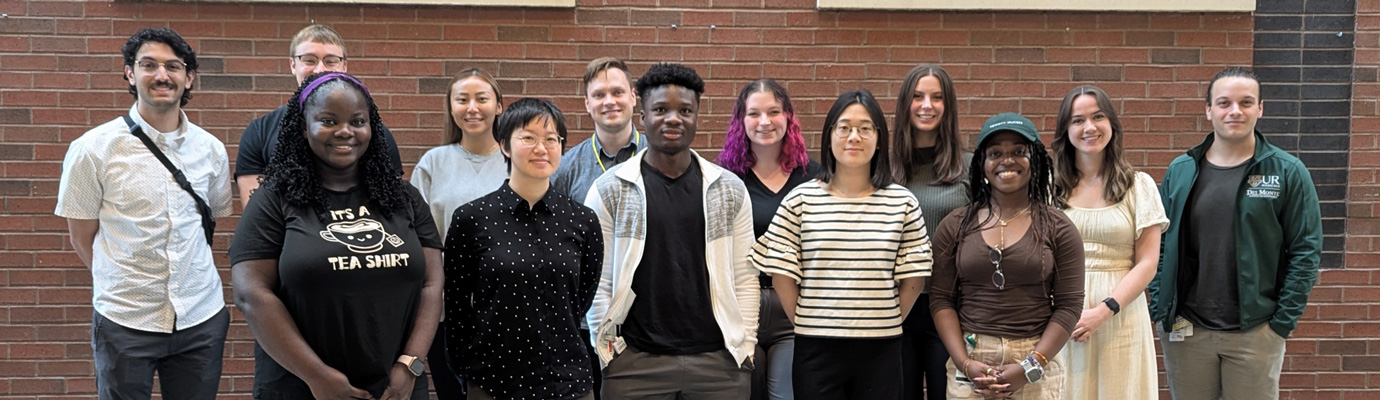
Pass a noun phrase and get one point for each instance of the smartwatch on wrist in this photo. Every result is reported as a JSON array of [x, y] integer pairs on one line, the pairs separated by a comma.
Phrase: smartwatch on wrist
[[1112, 305], [1033, 370], [414, 364]]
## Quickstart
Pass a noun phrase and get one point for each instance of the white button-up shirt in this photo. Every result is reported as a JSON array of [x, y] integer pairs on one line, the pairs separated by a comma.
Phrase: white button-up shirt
[[151, 267]]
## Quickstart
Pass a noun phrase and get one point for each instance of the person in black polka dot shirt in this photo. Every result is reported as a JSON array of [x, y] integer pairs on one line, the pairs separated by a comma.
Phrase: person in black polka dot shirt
[[522, 264]]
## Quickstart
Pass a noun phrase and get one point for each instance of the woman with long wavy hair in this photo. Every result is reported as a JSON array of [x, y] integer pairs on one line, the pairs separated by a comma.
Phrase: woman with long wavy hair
[[766, 149], [1119, 215], [927, 157], [334, 244]]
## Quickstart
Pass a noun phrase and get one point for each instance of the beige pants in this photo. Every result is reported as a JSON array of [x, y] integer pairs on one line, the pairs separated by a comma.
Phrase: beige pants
[[1228, 365], [995, 351]]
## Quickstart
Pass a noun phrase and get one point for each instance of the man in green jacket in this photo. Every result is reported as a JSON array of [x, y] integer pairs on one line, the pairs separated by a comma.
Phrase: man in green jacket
[[1240, 256]]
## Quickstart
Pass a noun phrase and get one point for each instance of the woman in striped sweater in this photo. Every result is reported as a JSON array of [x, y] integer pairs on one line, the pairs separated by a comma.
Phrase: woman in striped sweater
[[848, 253]]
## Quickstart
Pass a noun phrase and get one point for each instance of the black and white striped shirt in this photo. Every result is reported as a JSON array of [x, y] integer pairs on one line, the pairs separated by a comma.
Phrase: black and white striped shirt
[[847, 254]]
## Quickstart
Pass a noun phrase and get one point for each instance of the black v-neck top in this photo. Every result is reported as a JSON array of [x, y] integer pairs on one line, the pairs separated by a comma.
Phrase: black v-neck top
[[765, 202]]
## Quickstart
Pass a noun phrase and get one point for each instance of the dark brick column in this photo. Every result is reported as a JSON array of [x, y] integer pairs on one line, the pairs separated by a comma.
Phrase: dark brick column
[[1304, 52]]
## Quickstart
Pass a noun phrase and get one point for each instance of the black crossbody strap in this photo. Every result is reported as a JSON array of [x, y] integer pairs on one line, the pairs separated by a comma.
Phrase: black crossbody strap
[[208, 222]]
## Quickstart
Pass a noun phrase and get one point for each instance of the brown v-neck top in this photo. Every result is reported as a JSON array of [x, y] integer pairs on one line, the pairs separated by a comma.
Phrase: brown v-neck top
[[1044, 281]]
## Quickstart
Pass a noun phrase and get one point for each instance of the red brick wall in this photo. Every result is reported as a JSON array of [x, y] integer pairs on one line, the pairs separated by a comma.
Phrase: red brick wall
[[59, 76]]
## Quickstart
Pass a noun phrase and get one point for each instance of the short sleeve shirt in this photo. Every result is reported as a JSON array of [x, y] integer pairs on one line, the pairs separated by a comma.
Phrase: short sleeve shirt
[[351, 282], [151, 267]]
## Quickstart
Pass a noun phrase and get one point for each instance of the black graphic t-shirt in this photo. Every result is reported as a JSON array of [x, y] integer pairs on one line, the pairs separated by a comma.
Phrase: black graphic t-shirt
[[351, 282]]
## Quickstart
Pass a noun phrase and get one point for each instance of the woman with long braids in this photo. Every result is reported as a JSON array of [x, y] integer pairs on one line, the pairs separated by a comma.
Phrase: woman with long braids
[[466, 168], [349, 311], [847, 253], [767, 150], [1119, 215], [1008, 272], [927, 157]]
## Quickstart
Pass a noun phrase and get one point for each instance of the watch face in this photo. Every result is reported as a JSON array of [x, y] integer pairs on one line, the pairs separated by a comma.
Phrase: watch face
[[416, 367]]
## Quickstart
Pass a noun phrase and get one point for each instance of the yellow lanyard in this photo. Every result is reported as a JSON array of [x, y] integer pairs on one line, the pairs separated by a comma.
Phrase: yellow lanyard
[[594, 143]]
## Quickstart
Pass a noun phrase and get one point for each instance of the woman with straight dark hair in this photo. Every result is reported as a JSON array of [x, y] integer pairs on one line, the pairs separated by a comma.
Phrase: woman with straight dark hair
[[847, 253], [766, 149], [1008, 272], [927, 157], [1120, 216]]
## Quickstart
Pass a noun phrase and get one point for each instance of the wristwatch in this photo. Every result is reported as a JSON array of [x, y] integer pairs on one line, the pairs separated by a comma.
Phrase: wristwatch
[[1112, 305], [1033, 370], [414, 364]]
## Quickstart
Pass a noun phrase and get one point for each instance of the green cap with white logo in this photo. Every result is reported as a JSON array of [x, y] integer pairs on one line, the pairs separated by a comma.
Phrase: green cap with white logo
[[1008, 122]]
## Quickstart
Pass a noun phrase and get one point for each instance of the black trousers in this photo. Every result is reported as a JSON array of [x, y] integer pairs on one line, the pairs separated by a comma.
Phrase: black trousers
[[594, 366], [923, 356], [846, 369], [188, 362]]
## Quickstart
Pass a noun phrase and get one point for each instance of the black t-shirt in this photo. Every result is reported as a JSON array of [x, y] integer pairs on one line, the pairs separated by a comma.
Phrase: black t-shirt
[[351, 283], [765, 202], [1210, 296], [672, 313], [260, 140]]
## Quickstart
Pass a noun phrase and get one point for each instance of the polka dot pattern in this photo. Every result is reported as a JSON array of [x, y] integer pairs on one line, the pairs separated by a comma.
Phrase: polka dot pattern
[[519, 280]]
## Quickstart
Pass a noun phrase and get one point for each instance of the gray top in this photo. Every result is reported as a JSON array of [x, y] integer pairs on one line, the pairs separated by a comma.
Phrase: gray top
[[936, 200], [448, 177], [580, 167]]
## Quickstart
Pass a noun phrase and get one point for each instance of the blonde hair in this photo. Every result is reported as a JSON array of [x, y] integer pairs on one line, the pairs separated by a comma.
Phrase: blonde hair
[[316, 33]]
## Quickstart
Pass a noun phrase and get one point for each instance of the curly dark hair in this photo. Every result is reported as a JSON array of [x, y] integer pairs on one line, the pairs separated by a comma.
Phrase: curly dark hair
[[670, 74], [293, 170], [164, 36], [1039, 191]]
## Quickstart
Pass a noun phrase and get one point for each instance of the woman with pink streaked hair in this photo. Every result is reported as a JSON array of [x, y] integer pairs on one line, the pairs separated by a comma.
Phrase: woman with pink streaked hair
[[766, 149]]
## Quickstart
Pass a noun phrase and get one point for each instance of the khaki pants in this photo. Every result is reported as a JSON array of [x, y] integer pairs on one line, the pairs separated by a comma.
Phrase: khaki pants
[[996, 351], [1228, 365]]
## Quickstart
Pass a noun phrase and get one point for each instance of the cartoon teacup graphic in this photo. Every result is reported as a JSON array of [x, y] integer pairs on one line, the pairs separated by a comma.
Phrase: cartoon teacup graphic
[[360, 236]]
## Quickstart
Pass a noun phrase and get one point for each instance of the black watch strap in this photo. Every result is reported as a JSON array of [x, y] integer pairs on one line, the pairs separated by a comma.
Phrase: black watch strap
[[1112, 304]]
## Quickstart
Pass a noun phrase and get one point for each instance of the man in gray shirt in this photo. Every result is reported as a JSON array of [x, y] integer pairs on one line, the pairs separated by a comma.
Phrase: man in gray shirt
[[609, 98]]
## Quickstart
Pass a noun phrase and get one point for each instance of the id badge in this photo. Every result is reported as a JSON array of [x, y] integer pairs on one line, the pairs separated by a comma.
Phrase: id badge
[[1182, 329]]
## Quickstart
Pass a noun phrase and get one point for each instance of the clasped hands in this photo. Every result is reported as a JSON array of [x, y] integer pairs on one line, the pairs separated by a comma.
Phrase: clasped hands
[[997, 382]]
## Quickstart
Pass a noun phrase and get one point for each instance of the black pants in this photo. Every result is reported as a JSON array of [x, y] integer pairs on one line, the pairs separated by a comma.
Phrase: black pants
[[448, 383], [847, 369], [923, 356], [188, 362], [594, 366]]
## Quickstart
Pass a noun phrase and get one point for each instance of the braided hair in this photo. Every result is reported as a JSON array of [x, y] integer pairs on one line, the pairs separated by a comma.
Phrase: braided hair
[[293, 173], [1039, 190]]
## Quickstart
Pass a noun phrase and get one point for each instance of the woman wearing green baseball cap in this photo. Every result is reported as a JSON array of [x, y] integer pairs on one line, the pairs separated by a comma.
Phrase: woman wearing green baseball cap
[[1008, 272]]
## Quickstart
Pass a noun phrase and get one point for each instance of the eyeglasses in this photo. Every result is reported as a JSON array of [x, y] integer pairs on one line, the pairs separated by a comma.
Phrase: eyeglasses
[[311, 61], [551, 142], [150, 66], [865, 131], [998, 278]]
